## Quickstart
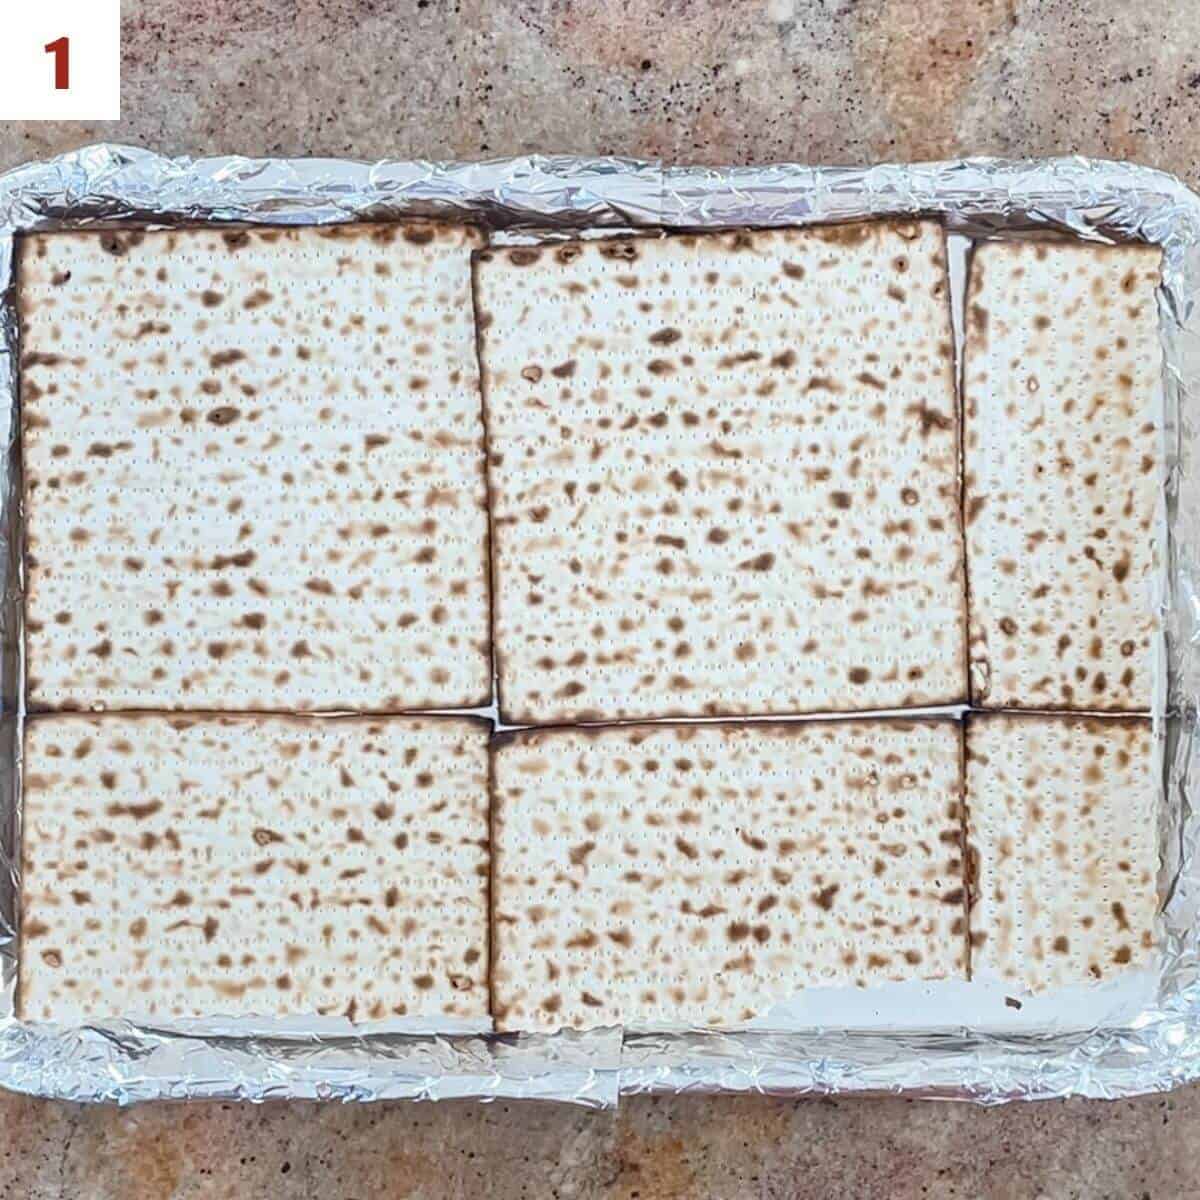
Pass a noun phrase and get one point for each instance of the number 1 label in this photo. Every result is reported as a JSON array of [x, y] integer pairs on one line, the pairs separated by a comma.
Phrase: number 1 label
[[61, 49], [60, 60]]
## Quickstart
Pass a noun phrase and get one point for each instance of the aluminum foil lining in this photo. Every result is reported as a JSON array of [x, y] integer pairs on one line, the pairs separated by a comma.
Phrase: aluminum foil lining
[[1153, 1048]]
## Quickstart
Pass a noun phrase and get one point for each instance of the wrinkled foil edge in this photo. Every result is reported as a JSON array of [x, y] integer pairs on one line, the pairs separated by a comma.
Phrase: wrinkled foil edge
[[563, 196]]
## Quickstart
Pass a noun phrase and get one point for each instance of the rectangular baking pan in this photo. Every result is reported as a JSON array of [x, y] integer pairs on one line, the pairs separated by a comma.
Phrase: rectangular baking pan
[[1152, 1046]]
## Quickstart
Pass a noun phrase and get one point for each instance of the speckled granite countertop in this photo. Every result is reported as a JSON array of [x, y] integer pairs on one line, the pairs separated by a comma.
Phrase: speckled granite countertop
[[689, 80]]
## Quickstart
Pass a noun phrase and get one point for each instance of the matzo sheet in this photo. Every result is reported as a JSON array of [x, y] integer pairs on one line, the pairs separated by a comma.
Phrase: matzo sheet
[[227, 866], [705, 499], [665, 875], [1063, 846], [1061, 384], [253, 470]]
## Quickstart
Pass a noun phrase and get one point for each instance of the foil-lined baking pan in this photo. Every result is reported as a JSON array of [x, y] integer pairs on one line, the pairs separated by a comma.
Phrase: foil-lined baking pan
[[1149, 1043]]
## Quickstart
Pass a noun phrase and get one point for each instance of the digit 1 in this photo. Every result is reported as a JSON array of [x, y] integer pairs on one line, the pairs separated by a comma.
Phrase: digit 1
[[61, 49]]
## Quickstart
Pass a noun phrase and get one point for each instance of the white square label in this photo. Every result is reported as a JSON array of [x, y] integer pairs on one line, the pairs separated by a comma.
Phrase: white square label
[[60, 60]]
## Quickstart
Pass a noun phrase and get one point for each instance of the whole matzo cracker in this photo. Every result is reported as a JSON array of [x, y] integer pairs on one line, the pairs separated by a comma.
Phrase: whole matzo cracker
[[1062, 482], [270, 865], [254, 472], [724, 473], [1063, 847], [700, 874]]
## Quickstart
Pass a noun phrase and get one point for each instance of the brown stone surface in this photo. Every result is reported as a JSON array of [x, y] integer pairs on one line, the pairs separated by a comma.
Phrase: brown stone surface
[[684, 1148], [701, 80], [712, 81]]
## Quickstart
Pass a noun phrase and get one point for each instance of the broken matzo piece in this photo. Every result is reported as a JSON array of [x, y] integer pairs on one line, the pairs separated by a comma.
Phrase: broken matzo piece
[[723, 472], [1063, 848], [225, 866], [254, 469], [1062, 482], [700, 874]]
